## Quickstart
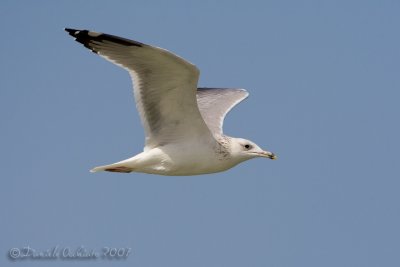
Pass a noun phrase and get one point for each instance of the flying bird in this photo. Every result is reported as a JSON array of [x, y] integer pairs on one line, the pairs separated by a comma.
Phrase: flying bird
[[182, 123]]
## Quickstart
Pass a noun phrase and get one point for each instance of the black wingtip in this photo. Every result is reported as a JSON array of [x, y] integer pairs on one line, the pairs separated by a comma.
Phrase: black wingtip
[[70, 31], [85, 37]]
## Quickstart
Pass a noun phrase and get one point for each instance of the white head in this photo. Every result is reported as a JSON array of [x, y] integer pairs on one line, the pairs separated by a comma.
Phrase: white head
[[243, 149]]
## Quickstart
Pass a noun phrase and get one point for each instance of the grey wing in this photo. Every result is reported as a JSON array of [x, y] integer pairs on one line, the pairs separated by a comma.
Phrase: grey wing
[[215, 103], [164, 86]]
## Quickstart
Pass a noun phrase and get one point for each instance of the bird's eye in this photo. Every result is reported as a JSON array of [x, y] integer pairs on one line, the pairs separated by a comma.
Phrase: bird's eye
[[247, 146]]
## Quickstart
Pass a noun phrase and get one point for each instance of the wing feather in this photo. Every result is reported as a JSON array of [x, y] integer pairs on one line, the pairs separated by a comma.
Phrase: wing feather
[[164, 86], [215, 103]]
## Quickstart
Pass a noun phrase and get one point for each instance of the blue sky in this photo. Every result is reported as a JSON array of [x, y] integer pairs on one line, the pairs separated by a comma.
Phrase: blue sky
[[324, 82]]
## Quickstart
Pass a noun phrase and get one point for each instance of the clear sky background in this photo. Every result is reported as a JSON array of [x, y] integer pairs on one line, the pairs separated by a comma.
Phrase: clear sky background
[[324, 83]]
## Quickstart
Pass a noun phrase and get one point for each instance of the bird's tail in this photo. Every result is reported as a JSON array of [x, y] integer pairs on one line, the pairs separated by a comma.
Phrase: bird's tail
[[116, 167]]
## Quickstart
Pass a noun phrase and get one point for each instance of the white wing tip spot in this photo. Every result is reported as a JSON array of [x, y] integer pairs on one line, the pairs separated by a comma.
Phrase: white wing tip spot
[[94, 34]]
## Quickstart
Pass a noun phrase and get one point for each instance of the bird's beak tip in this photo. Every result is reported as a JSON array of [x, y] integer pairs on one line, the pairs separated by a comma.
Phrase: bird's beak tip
[[269, 155]]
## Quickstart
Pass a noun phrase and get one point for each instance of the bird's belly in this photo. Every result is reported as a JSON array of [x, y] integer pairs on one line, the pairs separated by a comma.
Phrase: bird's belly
[[196, 162], [183, 160], [195, 168]]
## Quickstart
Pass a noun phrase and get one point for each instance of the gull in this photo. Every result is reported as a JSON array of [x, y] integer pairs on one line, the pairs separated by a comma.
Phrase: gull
[[182, 123]]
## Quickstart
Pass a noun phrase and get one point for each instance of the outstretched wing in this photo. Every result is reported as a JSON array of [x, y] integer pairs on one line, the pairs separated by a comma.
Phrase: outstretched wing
[[164, 86], [215, 103]]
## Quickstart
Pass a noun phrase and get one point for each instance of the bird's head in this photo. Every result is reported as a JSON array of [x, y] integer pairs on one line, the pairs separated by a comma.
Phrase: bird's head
[[244, 149]]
